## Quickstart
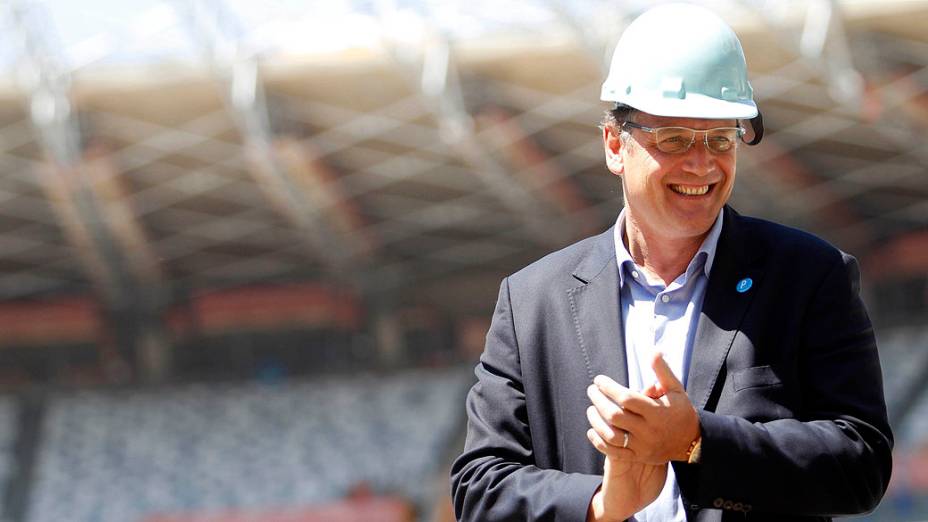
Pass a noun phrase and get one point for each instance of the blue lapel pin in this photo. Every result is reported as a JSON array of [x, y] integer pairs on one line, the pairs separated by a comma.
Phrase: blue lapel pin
[[744, 285]]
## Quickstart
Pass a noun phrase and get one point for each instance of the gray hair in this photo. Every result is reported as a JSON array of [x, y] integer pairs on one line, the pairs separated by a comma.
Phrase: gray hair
[[615, 117]]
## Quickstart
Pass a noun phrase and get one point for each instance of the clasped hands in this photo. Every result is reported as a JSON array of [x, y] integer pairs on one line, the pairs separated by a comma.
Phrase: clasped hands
[[660, 423]]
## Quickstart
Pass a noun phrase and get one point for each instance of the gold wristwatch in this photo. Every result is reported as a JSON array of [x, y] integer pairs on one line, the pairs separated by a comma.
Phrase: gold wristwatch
[[694, 453]]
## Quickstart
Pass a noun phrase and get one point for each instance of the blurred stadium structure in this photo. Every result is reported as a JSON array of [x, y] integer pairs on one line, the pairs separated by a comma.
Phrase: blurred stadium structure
[[229, 229]]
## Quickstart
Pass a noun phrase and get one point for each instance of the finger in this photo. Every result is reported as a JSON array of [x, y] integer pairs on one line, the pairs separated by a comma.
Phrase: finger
[[665, 377], [612, 389], [607, 449], [609, 434], [612, 413], [627, 399], [599, 443]]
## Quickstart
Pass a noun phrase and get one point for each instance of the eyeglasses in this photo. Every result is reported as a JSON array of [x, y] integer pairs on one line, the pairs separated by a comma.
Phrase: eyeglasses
[[677, 140]]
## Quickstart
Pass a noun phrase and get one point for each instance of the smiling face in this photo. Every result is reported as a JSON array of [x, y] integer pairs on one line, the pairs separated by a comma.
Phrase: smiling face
[[670, 196]]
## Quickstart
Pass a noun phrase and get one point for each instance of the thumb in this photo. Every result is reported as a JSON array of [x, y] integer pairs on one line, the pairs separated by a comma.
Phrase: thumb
[[665, 377]]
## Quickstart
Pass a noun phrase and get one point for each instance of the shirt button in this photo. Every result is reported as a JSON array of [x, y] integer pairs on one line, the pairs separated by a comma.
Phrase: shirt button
[[635, 274], [665, 298]]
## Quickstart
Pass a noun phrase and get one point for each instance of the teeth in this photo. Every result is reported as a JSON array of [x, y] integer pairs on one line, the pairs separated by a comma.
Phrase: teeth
[[690, 190]]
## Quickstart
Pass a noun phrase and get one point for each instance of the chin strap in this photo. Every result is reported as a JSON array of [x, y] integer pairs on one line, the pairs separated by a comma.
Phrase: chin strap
[[757, 126]]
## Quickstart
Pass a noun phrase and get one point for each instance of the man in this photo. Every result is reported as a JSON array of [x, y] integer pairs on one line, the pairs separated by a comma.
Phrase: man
[[690, 363]]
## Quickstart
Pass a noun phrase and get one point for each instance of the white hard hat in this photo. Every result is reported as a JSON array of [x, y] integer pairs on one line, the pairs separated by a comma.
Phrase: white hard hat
[[681, 60]]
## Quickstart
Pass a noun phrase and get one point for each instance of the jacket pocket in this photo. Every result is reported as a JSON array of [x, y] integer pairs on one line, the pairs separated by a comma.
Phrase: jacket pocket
[[756, 377]]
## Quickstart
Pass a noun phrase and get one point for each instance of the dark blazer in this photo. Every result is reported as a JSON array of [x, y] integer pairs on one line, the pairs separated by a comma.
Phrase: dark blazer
[[785, 377]]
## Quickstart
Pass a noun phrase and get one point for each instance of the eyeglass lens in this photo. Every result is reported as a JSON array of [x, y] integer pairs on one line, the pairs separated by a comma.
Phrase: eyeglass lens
[[675, 140]]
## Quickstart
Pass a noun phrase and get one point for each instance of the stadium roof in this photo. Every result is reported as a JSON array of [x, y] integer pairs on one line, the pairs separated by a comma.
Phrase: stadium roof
[[417, 149]]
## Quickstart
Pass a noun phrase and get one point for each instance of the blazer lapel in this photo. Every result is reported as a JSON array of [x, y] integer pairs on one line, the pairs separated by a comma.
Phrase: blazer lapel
[[723, 310], [595, 310]]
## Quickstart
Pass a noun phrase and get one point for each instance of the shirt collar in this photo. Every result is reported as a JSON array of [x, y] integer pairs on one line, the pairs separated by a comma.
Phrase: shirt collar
[[707, 247]]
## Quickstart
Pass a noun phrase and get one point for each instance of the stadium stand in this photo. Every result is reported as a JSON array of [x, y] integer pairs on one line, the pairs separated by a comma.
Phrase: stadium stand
[[118, 456], [904, 356], [9, 423]]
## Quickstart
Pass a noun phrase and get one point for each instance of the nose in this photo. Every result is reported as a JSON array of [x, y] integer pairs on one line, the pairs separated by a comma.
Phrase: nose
[[698, 159]]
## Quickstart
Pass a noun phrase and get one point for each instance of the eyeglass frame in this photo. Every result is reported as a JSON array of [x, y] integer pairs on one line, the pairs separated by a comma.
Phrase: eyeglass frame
[[705, 138]]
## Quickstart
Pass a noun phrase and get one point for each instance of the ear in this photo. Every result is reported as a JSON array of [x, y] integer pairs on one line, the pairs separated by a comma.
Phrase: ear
[[612, 145]]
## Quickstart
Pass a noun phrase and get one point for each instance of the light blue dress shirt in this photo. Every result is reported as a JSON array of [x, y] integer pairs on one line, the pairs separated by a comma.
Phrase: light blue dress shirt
[[659, 317]]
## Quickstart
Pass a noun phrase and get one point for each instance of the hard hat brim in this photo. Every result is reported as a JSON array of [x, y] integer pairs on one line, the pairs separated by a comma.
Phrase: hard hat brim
[[693, 106]]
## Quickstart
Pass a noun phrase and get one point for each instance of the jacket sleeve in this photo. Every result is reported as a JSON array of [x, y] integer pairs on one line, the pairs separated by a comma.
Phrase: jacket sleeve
[[833, 460], [495, 478]]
